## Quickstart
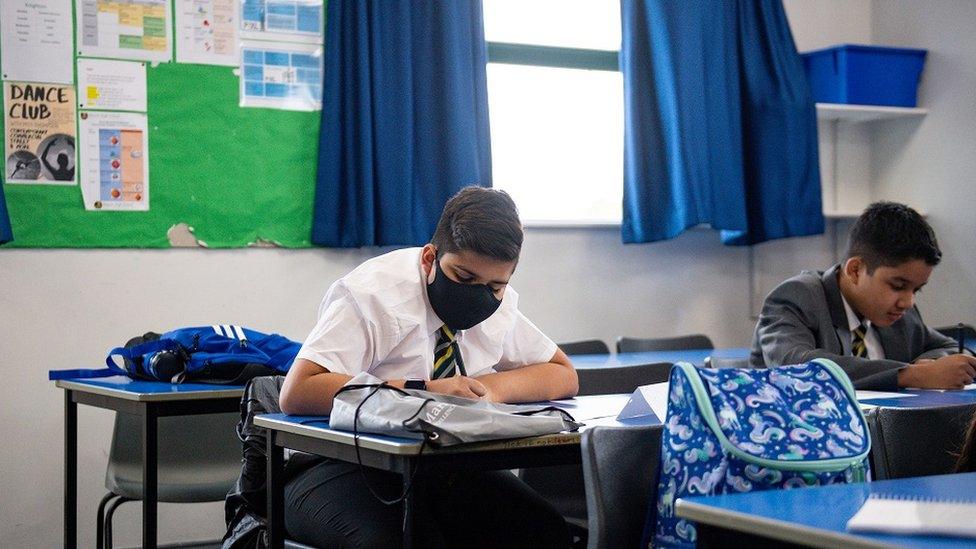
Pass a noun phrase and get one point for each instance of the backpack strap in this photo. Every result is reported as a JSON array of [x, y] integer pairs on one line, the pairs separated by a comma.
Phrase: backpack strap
[[113, 369]]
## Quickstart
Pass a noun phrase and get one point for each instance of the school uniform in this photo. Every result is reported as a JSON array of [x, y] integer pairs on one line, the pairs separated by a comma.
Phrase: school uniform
[[378, 319], [806, 317]]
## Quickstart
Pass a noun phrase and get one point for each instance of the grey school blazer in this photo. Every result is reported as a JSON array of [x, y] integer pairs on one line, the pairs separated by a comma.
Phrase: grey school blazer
[[804, 318]]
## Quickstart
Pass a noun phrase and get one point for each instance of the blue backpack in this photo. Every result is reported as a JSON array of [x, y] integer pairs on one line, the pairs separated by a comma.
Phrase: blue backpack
[[223, 354], [742, 430]]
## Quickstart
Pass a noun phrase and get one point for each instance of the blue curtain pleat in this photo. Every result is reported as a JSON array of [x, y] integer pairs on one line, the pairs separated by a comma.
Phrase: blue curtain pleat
[[404, 119], [6, 233], [720, 127]]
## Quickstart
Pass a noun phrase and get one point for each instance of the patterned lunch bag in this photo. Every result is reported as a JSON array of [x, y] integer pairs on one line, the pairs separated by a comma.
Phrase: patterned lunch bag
[[742, 430]]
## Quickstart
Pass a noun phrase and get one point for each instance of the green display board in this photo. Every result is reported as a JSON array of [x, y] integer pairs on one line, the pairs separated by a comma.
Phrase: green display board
[[237, 176]]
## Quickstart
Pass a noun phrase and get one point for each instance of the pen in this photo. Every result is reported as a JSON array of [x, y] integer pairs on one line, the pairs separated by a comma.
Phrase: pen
[[959, 336]]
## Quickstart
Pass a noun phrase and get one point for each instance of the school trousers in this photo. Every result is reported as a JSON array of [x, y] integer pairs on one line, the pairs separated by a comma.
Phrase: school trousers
[[330, 505]]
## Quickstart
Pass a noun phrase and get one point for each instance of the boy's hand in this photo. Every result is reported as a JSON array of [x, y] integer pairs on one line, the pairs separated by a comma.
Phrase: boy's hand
[[948, 372], [461, 386]]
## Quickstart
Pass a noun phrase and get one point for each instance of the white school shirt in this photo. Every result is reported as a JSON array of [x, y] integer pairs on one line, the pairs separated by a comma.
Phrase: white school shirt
[[378, 319], [871, 340]]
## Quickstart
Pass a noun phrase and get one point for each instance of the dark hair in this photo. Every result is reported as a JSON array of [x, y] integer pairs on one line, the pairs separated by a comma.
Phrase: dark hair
[[967, 456], [481, 220], [889, 234]]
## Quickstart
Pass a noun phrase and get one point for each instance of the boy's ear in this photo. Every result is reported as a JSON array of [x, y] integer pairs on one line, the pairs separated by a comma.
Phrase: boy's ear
[[852, 268], [427, 257]]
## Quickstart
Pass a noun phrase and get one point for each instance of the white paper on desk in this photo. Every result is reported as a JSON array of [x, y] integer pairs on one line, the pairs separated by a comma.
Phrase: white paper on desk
[[647, 399], [865, 395], [911, 516]]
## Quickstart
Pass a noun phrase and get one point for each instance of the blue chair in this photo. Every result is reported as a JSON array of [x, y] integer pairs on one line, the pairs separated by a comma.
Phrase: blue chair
[[199, 460], [680, 343]]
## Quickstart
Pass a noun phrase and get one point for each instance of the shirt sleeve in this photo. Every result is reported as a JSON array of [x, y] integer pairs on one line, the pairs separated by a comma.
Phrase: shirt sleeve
[[525, 344], [341, 340]]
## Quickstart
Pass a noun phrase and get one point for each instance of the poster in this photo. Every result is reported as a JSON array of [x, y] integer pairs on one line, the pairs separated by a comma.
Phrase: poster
[[114, 160], [206, 32], [39, 133], [35, 41], [111, 85], [281, 75], [126, 29], [282, 20]]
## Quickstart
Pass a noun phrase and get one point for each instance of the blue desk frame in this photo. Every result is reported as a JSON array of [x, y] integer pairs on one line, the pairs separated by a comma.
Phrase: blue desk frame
[[818, 515], [151, 400], [403, 456]]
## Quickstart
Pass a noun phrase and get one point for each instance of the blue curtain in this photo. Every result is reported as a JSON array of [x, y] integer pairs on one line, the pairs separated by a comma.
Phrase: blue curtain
[[404, 118], [6, 234], [719, 123]]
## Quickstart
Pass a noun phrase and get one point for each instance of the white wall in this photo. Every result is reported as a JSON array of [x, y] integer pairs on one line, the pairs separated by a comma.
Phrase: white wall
[[66, 308]]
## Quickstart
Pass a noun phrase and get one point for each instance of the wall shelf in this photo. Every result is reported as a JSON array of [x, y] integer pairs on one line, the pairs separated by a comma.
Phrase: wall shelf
[[865, 113]]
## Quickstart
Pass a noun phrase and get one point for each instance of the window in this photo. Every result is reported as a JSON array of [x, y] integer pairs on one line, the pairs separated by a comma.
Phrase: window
[[555, 98]]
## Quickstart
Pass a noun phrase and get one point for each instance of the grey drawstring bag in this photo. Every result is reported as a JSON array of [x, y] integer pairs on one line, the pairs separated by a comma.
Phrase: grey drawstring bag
[[366, 404]]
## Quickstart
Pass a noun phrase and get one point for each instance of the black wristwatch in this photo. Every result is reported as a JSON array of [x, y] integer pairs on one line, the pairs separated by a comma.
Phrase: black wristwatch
[[415, 384]]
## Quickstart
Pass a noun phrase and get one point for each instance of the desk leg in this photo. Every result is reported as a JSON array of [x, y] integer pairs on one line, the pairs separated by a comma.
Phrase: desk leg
[[275, 493], [150, 446], [70, 534], [409, 504]]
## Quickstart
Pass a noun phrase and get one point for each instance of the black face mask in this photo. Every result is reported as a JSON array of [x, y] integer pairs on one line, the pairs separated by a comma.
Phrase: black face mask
[[460, 306]]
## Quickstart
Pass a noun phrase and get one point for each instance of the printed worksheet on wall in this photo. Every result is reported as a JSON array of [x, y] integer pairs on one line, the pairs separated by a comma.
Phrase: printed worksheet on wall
[[281, 75], [282, 20], [114, 160], [39, 133], [112, 85], [125, 29], [206, 32], [35, 41]]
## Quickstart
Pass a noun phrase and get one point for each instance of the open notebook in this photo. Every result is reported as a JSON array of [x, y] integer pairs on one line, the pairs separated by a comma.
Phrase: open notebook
[[906, 515]]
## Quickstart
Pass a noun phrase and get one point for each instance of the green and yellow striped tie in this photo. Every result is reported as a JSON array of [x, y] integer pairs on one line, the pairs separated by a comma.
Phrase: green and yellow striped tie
[[447, 355], [858, 347]]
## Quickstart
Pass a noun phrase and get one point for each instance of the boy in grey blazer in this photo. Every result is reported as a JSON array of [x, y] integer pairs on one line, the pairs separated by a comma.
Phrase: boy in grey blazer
[[861, 313]]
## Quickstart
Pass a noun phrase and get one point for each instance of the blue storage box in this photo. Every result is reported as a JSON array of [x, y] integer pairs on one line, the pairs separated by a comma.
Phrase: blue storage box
[[864, 75]]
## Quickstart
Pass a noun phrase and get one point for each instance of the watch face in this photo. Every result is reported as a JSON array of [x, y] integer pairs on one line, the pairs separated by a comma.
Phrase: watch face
[[415, 384]]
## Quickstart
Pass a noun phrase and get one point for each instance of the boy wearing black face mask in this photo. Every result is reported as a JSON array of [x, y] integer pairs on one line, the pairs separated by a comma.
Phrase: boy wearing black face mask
[[443, 318]]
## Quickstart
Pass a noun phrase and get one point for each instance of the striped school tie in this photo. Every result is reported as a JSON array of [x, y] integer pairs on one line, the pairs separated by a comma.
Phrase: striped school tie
[[447, 355], [858, 347]]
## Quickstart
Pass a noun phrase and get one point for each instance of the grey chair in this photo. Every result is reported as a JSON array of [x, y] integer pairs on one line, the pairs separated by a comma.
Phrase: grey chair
[[619, 466], [914, 442], [713, 362], [585, 347], [563, 485], [680, 343], [622, 379], [199, 459]]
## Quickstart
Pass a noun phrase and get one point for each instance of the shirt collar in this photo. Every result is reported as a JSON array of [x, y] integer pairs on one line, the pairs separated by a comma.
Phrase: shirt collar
[[853, 322]]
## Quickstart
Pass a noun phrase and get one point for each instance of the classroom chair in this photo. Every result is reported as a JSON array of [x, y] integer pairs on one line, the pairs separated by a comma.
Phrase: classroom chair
[[622, 379], [199, 460], [619, 468], [563, 485], [681, 343], [915, 442], [968, 332], [585, 347], [714, 362]]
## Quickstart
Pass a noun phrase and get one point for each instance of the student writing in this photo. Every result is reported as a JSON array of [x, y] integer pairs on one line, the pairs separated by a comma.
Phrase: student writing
[[444, 318], [862, 314]]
